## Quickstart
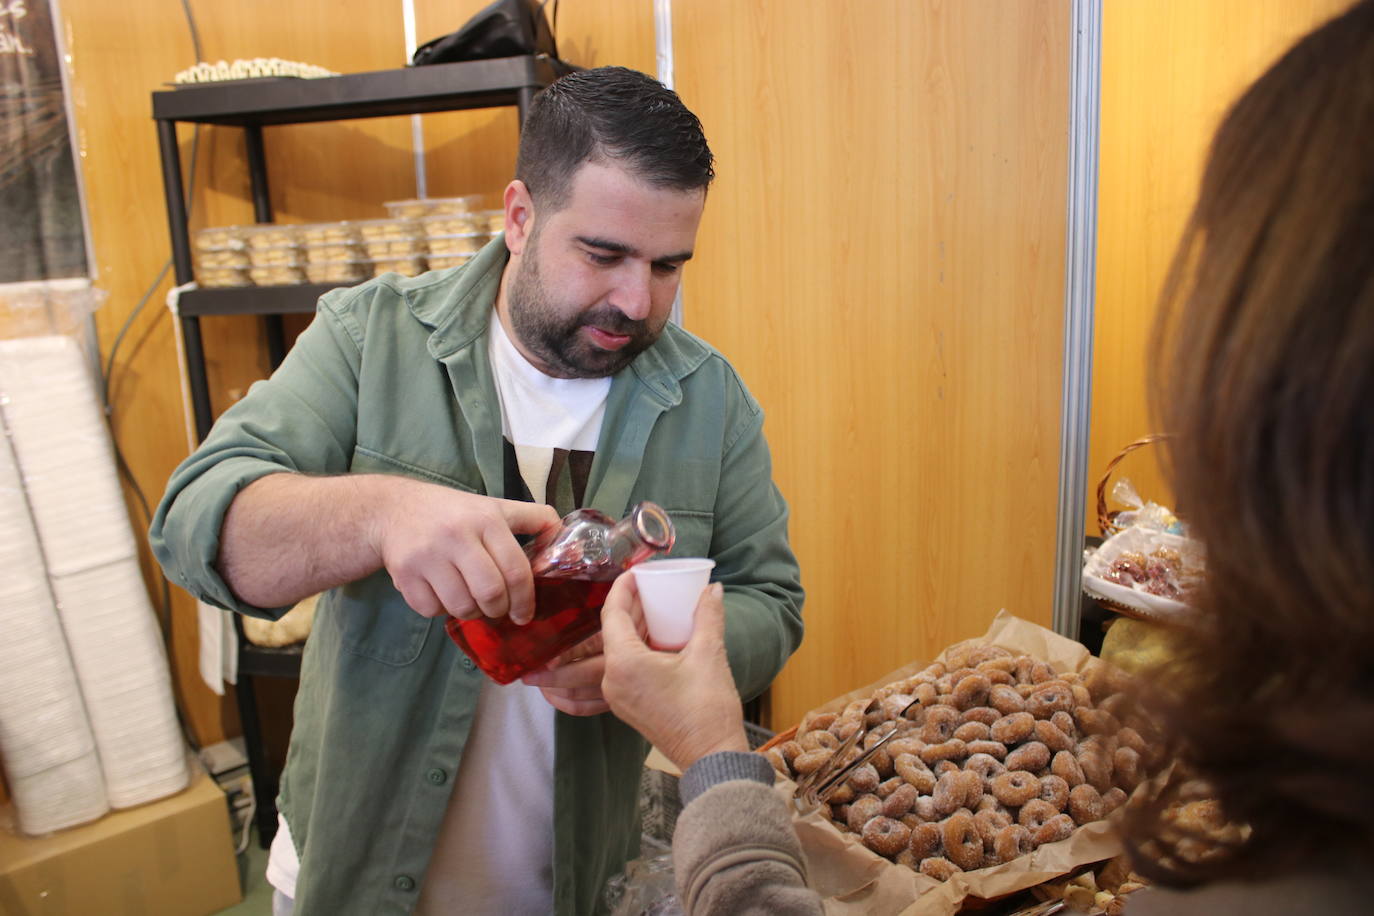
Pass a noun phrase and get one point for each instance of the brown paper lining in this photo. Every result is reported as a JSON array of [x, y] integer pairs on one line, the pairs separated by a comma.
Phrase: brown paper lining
[[854, 881]]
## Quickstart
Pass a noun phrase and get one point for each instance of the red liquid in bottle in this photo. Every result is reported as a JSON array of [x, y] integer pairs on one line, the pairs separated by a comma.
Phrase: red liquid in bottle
[[567, 611]]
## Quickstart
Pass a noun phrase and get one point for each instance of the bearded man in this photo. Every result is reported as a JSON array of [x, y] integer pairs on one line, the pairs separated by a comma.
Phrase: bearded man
[[416, 428]]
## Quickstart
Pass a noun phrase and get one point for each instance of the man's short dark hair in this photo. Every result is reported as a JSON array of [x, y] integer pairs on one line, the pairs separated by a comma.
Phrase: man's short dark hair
[[610, 114]]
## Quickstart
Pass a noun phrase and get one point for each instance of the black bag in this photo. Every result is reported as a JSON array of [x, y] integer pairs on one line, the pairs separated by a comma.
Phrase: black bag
[[505, 28]]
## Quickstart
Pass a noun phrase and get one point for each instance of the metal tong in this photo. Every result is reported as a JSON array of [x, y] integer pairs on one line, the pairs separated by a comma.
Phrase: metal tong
[[816, 787]]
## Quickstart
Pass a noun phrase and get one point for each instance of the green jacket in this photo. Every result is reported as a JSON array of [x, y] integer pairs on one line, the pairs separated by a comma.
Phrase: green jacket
[[393, 377]]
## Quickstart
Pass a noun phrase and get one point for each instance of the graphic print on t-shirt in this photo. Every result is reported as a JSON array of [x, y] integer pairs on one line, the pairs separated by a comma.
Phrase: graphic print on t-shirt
[[559, 473]]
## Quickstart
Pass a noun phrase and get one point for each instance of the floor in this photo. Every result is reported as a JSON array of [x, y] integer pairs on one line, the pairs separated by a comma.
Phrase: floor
[[257, 893]]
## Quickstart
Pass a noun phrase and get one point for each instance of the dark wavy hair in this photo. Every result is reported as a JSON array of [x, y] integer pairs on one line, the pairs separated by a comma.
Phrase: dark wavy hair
[[1265, 379], [615, 114]]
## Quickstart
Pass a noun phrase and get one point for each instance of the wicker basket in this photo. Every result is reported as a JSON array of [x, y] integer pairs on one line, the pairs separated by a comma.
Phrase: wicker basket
[[1106, 521]]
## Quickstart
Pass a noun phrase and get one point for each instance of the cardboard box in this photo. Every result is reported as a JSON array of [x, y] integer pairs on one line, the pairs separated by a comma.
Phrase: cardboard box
[[173, 857]]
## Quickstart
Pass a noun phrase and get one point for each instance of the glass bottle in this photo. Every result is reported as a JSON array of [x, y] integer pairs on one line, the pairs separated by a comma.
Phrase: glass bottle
[[573, 565]]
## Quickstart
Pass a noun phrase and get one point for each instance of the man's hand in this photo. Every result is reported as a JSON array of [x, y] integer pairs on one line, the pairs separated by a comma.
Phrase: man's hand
[[450, 552], [685, 702]]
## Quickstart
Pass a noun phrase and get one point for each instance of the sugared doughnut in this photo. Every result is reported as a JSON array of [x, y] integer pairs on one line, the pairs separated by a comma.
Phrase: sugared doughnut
[[1129, 737], [1030, 756], [1015, 788], [1055, 790], [907, 744], [1053, 830], [888, 786], [844, 728], [1126, 767], [1096, 721], [893, 705], [989, 823], [820, 721], [864, 779], [957, 789], [925, 840], [972, 785], [953, 749], [971, 691], [779, 762], [1065, 766], [1006, 700], [980, 654], [925, 809], [1050, 735], [886, 836], [999, 663], [791, 750], [843, 795], [1050, 698], [1011, 842], [972, 731], [926, 694], [989, 802], [1041, 672], [819, 739], [940, 723], [811, 761], [985, 765], [1006, 664], [985, 714], [1085, 804], [963, 843], [1013, 729], [1064, 722], [1112, 799], [899, 803], [914, 770], [881, 761], [941, 767], [862, 810], [939, 868], [1034, 813], [994, 749], [1096, 763]]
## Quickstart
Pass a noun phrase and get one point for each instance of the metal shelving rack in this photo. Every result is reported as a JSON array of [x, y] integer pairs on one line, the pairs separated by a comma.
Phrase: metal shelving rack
[[253, 105]]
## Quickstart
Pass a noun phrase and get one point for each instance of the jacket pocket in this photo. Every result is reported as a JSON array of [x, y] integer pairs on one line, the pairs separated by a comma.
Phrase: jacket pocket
[[374, 621], [693, 528]]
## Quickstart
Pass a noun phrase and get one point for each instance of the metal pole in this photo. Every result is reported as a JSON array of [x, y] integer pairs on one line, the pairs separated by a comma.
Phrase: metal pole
[[1085, 84]]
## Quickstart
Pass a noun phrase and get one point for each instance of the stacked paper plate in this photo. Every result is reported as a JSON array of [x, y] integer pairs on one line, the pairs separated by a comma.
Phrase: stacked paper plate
[[66, 464], [50, 760]]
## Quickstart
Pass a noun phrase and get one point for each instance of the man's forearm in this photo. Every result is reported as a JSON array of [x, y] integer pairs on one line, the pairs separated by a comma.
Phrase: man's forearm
[[287, 536]]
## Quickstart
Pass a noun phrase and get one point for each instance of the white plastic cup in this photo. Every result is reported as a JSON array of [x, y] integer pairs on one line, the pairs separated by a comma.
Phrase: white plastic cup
[[669, 591]]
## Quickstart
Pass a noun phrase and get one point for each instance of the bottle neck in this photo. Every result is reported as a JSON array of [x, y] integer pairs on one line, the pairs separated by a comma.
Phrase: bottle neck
[[645, 532]]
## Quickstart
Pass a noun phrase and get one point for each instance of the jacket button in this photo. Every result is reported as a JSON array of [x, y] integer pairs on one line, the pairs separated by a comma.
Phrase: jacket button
[[467, 663], [437, 776], [404, 883]]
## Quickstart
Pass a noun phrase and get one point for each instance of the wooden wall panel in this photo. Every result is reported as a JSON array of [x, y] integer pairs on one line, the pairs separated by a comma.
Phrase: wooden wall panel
[[882, 258], [120, 53], [1170, 69]]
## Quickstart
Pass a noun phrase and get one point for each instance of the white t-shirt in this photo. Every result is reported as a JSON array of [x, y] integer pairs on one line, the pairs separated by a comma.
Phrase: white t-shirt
[[494, 853]]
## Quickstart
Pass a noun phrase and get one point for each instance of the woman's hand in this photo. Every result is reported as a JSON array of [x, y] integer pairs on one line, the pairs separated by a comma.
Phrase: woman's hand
[[684, 703]]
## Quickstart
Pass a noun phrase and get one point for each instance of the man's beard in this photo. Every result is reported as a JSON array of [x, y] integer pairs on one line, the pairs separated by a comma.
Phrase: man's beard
[[552, 336]]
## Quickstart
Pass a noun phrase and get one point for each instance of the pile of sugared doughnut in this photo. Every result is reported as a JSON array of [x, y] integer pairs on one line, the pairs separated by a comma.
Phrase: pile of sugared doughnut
[[1001, 755]]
